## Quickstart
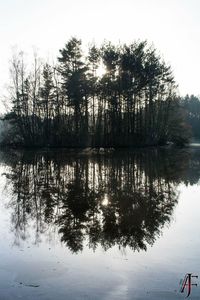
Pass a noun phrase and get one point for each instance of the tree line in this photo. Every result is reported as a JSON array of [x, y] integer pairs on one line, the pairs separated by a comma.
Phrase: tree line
[[191, 106], [133, 102]]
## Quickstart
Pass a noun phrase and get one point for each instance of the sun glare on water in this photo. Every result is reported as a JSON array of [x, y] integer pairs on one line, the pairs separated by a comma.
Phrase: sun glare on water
[[105, 200]]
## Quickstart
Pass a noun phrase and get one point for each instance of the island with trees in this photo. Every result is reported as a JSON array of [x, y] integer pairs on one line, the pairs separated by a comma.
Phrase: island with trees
[[132, 102]]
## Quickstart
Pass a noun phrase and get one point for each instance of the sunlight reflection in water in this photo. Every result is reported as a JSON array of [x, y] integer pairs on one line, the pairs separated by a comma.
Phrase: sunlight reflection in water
[[76, 227]]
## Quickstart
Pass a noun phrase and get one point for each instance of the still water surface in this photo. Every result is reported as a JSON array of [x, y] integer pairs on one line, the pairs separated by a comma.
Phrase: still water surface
[[122, 225]]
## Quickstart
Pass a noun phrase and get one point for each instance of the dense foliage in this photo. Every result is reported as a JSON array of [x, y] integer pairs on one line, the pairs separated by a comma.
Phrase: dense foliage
[[191, 106], [132, 103]]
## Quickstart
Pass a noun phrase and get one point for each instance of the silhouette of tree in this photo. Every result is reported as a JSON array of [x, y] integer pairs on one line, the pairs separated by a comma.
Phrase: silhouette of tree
[[133, 103]]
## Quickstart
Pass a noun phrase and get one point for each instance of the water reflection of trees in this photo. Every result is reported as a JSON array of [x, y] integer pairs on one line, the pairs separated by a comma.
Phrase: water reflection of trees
[[122, 199]]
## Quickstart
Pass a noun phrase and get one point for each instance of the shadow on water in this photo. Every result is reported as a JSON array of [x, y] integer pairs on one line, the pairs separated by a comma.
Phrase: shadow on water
[[123, 199]]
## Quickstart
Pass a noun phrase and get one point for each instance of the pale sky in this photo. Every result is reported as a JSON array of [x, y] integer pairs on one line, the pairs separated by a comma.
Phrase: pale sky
[[173, 26]]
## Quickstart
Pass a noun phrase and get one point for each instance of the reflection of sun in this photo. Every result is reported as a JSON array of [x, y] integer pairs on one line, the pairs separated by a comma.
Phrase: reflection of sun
[[101, 70], [105, 200]]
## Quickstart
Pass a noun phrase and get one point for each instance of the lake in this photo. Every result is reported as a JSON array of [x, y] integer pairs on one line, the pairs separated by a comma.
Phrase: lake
[[122, 225]]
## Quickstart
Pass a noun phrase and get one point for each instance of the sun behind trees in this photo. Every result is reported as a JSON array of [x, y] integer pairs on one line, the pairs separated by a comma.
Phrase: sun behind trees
[[133, 103]]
